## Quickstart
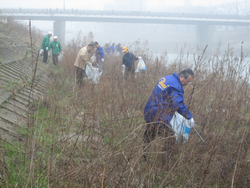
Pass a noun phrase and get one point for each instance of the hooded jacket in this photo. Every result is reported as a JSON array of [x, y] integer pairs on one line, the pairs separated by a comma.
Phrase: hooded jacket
[[167, 97]]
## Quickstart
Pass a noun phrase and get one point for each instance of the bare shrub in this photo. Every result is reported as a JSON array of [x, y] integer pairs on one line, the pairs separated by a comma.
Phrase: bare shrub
[[94, 139]]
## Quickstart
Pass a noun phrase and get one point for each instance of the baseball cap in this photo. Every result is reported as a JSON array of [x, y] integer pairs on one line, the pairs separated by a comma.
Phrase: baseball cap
[[124, 49]]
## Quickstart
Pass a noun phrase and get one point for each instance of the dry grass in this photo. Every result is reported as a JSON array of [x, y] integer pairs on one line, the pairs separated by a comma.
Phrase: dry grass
[[94, 139]]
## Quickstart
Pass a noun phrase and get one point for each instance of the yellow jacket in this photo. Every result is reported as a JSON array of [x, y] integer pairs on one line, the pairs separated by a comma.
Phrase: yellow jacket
[[82, 58]]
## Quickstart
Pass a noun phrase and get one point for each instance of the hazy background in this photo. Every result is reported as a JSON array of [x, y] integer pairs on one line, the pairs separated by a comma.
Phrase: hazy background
[[160, 37]]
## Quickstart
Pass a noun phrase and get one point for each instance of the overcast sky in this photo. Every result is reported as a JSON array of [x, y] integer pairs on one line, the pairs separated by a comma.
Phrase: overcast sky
[[98, 4]]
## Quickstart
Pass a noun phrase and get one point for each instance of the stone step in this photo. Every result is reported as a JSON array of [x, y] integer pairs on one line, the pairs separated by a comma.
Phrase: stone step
[[18, 111], [7, 130], [17, 104], [11, 117]]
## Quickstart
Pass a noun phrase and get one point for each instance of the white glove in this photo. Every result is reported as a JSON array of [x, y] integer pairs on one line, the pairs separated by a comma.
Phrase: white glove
[[139, 57], [191, 122], [47, 48], [123, 66], [102, 59]]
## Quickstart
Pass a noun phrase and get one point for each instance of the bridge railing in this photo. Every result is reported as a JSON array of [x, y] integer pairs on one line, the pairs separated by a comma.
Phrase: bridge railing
[[123, 13]]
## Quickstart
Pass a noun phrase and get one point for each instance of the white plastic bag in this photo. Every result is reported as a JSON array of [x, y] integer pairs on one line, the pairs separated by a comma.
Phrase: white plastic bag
[[93, 58], [141, 67], [93, 73], [123, 69], [180, 126], [41, 52], [60, 56]]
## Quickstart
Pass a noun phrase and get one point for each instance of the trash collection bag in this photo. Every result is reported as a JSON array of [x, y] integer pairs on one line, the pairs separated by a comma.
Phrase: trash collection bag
[[93, 73], [141, 67], [60, 56], [93, 58], [123, 69], [41, 52], [180, 126]]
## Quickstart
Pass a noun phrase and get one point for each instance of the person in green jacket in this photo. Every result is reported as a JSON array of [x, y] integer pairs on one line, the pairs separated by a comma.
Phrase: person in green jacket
[[56, 49], [45, 46]]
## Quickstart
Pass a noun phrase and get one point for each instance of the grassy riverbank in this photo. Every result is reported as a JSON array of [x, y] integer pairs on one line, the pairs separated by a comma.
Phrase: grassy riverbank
[[92, 137]]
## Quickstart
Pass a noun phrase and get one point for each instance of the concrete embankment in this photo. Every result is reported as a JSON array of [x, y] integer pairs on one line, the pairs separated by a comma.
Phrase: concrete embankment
[[17, 69]]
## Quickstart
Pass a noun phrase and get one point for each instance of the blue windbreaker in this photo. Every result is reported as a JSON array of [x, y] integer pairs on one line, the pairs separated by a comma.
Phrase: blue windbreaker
[[167, 97], [128, 59], [112, 49], [107, 49], [99, 53]]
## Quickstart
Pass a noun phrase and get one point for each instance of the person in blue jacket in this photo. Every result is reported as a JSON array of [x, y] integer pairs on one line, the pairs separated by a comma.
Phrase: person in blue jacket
[[107, 49], [99, 55], [119, 48], [166, 99], [128, 62], [112, 48]]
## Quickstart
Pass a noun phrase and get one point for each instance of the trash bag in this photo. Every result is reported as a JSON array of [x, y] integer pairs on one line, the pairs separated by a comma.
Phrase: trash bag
[[41, 52], [93, 58], [60, 56], [180, 126], [141, 67], [123, 69], [93, 73]]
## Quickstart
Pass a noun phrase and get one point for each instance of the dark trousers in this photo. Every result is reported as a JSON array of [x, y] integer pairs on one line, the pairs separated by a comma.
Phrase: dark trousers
[[79, 75], [55, 59], [129, 70], [159, 130], [45, 56]]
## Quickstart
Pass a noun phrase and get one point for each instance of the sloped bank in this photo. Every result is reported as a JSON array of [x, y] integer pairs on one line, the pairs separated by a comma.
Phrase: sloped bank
[[21, 82]]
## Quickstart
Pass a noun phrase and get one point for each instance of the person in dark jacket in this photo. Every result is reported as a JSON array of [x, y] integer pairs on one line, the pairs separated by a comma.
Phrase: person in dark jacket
[[45, 46], [128, 62], [166, 99], [99, 55], [56, 50]]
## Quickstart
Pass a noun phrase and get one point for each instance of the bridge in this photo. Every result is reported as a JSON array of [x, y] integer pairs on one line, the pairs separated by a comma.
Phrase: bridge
[[204, 22]]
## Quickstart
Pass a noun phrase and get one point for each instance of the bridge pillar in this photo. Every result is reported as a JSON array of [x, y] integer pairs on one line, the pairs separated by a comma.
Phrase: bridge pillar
[[204, 36], [59, 31]]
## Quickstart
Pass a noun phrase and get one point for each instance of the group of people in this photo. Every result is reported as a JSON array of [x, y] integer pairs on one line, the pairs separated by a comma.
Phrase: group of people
[[166, 98], [83, 59], [113, 49], [54, 45]]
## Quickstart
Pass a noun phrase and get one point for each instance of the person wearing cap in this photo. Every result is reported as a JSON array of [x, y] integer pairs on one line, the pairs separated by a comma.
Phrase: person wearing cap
[[99, 55], [82, 59], [56, 50], [45, 46], [128, 62]]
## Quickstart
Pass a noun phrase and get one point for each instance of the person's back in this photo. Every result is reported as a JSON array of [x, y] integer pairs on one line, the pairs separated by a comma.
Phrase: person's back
[[45, 42], [166, 98], [81, 58], [112, 49]]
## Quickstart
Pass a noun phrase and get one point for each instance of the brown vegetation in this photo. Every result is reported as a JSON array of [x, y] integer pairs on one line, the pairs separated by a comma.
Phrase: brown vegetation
[[94, 139]]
